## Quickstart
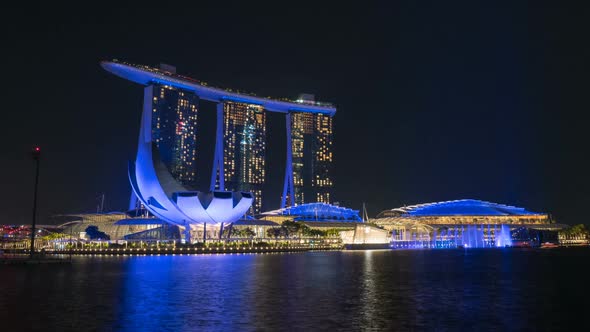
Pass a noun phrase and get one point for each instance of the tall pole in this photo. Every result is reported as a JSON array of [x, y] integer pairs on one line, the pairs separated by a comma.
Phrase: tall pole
[[36, 157], [71, 243]]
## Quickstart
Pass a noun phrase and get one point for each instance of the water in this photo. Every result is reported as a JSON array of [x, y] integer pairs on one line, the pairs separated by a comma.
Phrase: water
[[504, 238], [469, 236], [475, 290]]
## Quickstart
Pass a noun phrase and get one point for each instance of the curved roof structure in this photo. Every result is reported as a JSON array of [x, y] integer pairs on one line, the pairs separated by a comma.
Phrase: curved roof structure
[[462, 207], [168, 200], [147, 75], [318, 212]]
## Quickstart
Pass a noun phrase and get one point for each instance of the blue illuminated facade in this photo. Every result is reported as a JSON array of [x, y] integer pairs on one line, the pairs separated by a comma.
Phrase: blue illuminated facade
[[463, 207], [318, 212], [240, 144], [466, 222], [146, 75], [166, 197]]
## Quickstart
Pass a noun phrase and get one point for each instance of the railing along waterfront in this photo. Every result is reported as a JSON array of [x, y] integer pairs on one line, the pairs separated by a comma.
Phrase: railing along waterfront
[[168, 247]]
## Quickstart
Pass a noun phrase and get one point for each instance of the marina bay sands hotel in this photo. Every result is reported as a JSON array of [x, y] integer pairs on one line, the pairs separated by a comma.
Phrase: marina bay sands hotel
[[171, 107]]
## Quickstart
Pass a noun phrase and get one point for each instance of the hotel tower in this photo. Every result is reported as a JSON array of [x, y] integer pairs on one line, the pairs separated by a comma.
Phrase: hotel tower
[[171, 107]]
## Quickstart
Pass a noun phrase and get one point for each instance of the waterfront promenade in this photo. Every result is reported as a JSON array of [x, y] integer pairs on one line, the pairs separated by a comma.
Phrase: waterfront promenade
[[181, 250]]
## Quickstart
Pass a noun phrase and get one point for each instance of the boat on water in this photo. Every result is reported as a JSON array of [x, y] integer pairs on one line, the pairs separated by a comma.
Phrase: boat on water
[[522, 244], [548, 245]]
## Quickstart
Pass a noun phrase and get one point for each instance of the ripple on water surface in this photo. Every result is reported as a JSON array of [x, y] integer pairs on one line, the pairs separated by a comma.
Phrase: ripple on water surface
[[487, 289]]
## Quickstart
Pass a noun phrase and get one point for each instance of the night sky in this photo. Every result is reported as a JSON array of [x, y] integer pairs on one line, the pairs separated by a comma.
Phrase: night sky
[[436, 100]]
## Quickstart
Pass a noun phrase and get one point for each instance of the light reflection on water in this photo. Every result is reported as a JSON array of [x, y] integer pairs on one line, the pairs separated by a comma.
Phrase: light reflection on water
[[501, 289]]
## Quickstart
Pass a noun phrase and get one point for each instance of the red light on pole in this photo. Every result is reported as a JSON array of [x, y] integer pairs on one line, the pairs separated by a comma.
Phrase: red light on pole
[[36, 157], [36, 152]]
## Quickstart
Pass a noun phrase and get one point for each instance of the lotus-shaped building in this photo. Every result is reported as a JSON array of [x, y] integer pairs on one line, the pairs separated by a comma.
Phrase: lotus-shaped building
[[169, 200]]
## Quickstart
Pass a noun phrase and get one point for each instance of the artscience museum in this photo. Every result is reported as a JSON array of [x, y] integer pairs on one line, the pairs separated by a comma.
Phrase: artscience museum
[[169, 200], [164, 174]]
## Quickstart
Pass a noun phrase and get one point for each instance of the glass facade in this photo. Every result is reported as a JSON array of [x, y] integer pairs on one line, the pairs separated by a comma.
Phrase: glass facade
[[311, 144], [319, 212], [244, 136], [174, 130]]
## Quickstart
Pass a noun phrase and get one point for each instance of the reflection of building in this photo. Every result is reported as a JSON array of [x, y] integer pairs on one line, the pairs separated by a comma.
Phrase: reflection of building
[[244, 136], [174, 129], [311, 137]]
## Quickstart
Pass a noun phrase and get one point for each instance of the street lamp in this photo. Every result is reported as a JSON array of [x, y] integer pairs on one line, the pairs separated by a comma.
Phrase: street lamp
[[36, 156]]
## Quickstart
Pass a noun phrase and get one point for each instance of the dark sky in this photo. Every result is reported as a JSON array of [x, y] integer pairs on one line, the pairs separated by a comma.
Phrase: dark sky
[[437, 100]]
